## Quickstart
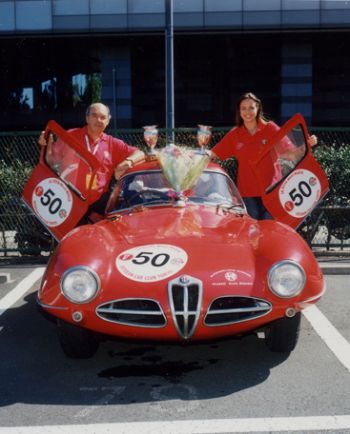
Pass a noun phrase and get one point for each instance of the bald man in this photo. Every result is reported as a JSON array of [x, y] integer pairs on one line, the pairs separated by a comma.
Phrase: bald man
[[115, 155]]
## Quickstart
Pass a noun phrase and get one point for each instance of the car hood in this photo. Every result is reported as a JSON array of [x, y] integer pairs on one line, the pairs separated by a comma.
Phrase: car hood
[[206, 242], [172, 223], [211, 238]]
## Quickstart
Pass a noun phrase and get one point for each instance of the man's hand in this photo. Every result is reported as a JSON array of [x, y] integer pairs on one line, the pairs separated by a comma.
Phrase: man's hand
[[121, 168], [42, 141]]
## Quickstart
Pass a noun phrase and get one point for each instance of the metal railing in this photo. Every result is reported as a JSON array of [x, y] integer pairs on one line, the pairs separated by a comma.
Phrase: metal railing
[[328, 226]]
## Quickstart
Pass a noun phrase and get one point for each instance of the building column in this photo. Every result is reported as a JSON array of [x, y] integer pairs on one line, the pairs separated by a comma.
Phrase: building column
[[296, 81], [116, 85]]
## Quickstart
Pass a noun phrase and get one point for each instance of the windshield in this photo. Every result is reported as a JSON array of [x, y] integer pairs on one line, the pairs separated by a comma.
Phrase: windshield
[[152, 188]]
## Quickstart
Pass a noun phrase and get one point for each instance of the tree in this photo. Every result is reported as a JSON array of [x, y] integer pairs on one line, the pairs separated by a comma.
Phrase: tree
[[93, 91]]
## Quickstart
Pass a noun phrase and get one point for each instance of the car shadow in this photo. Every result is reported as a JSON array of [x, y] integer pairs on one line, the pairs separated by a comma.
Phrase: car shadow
[[35, 370]]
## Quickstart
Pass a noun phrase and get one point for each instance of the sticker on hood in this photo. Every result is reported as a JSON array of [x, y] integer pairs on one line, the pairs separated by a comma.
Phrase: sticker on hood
[[151, 263], [52, 201], [231, 277]]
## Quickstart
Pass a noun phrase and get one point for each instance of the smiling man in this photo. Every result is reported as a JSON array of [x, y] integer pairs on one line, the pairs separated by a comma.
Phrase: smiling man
[[115, 155]]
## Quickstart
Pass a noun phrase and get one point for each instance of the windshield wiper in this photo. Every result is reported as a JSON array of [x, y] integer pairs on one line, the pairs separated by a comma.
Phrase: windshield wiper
[[237, 209]]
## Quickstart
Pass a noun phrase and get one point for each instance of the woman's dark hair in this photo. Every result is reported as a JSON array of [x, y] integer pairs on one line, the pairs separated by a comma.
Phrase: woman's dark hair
[[249, 95]]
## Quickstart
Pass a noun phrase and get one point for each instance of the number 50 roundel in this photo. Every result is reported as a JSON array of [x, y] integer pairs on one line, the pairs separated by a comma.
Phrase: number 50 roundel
[[151, 262], [52, 201], [299, 193]]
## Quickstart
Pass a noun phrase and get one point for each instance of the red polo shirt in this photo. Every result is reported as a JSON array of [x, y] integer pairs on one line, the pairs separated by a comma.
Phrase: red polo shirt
[[109, 150], [242, 145]]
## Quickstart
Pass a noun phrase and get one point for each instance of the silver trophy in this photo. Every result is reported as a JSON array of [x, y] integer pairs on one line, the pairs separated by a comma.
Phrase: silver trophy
[[150, 136], [204, 135]]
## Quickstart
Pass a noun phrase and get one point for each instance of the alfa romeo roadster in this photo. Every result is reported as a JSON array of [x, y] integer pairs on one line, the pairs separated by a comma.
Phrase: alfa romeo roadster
[[179, 264]]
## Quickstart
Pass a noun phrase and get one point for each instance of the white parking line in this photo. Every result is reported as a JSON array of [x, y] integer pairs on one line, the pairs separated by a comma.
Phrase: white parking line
[[212, 426], [20, 290], [329, 334], [105, 400]]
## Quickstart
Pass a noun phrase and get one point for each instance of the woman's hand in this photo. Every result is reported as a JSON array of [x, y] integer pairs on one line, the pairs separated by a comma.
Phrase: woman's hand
[[312, 141], [210, 154]]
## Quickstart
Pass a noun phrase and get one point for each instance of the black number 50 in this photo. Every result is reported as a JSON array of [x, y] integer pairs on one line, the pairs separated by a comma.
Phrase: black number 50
[[48, 199], [157, 260], [298, 194]]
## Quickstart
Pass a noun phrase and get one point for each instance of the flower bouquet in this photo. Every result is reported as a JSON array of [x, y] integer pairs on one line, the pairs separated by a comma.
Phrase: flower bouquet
[[182, 167]]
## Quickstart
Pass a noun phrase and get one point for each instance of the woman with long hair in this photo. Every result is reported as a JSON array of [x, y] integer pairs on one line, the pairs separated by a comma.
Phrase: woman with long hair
[[244, 142]]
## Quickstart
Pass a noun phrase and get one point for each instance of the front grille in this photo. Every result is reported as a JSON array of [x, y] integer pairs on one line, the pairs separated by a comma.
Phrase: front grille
[[185, 299], [232, 309], [139, 312]]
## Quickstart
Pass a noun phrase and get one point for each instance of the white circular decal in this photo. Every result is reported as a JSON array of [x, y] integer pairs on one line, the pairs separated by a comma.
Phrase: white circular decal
[[52, 201], [152, 262], [300, 192]]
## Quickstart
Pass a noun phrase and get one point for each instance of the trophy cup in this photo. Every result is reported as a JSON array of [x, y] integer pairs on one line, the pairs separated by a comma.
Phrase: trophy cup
[[150, 136], [203, 137]]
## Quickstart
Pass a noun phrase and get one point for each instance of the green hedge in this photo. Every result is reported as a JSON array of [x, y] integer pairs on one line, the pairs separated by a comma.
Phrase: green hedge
[[12, 181], [335, 161]]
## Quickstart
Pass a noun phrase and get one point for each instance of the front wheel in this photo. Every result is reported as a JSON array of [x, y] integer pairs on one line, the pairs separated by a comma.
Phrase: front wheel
[[282, 335], [76, 342]]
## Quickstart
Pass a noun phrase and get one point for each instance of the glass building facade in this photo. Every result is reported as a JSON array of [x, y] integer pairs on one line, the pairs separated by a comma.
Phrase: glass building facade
[[57, 56]]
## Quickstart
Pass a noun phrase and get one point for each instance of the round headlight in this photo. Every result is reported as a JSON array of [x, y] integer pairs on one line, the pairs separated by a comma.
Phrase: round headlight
[[286, 279], [80, 284]]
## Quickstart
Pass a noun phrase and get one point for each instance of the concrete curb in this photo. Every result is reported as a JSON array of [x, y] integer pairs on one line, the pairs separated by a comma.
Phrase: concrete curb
[[335, 267]]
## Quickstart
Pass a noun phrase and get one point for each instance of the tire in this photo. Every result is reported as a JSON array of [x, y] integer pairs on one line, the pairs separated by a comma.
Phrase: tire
[[32, 238], [282, 335], [76, 342]]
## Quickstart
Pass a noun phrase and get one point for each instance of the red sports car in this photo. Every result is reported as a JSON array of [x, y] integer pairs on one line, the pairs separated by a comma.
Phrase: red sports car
[[192, 267]]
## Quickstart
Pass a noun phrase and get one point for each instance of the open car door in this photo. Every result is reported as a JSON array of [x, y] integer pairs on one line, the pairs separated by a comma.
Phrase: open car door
[[291, 181], [60, 188]]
